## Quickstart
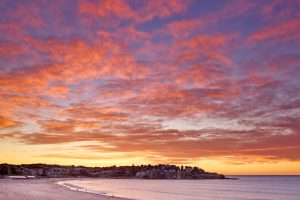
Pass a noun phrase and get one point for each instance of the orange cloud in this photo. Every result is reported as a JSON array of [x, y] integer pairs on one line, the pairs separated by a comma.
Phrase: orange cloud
[[59, 91], [7, 123], [107, 8], [84, 157], [180, 144], [123, 11], [12, 104]]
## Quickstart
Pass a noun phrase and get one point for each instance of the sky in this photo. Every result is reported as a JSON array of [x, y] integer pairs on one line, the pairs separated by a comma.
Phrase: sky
[[119, 82]]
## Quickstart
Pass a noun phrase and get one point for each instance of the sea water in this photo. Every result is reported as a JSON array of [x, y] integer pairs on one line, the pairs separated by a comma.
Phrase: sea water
[[244, 188]]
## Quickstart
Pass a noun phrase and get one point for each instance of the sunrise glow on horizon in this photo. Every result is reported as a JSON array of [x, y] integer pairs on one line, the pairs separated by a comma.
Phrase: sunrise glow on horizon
[[119, 82]]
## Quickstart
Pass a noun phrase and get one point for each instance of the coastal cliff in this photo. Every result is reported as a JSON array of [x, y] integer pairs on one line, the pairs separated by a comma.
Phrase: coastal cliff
[[161, 171], [175, 172]]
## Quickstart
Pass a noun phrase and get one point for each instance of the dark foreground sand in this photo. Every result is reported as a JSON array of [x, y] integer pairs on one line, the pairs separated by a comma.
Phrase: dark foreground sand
[[42, 189]]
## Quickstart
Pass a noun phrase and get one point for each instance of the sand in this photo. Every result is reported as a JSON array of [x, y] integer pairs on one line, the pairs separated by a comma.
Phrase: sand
[[43, 189]]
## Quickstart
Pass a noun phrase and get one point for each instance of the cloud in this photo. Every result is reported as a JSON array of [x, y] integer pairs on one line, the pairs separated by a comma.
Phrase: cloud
[[163, 9], [8, 123], [122, 10], [288, 30], [168, 80], [107, 8], [277, 140], [84, 157], [188, 27]]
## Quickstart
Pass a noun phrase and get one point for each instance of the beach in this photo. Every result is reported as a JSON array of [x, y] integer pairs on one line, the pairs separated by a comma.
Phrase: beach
[[243, 188], [43, 189]]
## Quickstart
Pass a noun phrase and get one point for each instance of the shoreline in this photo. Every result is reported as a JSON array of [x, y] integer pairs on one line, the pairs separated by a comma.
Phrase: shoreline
[[38, 189]]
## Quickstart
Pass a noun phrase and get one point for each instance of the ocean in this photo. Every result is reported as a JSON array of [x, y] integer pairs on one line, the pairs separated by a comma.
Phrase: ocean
[[244, 188]]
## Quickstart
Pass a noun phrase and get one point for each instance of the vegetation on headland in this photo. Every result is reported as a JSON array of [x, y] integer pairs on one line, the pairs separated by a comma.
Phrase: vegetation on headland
[[161, 171]]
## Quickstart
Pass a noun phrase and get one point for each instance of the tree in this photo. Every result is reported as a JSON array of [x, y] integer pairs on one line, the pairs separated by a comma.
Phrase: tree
[[5, 170]]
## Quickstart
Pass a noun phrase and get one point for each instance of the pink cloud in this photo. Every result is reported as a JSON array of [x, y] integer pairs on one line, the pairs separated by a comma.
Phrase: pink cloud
[[287, 30]]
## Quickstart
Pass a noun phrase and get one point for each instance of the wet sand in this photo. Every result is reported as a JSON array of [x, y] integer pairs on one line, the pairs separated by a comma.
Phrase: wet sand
[[43, 189]]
